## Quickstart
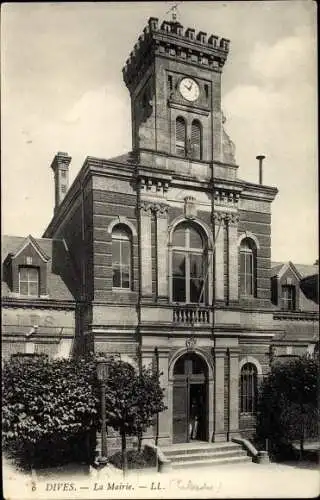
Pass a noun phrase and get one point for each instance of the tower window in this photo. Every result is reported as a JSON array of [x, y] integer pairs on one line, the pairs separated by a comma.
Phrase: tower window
[[121, 257], [206, 91], [29, 281], [196, 148], [170, 82], [180, 137]]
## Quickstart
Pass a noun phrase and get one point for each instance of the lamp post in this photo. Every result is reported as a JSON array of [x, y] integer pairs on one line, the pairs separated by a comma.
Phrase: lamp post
[[102, 373]]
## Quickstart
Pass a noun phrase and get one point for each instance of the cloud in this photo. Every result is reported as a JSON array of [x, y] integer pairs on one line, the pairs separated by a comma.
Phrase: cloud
[[290, 57], [276, 116]]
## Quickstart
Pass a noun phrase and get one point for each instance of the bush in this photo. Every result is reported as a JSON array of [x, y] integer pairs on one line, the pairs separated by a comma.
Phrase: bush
[[287, 408], [50, 410]]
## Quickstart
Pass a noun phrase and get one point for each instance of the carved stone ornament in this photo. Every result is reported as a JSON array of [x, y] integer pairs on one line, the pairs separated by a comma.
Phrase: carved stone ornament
[[190, 207], [232, 219], [161, 210], [148, 207], [191, 343]]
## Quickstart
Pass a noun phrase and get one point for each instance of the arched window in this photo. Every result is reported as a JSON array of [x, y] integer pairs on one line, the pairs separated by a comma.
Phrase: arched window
[[248, 388], [180, 137], [196, 140], [121, 257], [248, 267], [189, 262]]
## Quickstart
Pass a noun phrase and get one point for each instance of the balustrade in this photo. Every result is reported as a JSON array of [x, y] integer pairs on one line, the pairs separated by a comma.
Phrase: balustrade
[[190, 314]]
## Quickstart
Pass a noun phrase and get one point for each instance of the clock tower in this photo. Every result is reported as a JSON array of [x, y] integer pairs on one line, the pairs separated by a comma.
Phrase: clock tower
[[174, 79]]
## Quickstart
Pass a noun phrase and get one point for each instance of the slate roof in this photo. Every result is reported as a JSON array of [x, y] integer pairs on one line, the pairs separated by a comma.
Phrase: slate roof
[[57, 288]]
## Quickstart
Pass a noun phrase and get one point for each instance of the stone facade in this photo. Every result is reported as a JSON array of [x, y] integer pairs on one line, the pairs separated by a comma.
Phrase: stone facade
[[150, 194], [152, 191]]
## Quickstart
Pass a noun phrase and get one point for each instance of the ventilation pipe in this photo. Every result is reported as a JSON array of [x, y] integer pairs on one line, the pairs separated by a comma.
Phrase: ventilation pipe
[[260, 158]]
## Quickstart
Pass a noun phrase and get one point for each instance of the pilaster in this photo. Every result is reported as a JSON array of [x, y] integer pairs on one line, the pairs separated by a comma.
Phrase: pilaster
[[165, 417], [233, 430], [219, 256], [162, 251], [145, 249], [233, 281], [219, 429]]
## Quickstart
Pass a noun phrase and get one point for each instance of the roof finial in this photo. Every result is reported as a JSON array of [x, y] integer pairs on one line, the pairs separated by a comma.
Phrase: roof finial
[[174, 11]]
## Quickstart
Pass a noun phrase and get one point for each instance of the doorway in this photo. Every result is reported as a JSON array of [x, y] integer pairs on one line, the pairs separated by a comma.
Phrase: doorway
[[190, 399]]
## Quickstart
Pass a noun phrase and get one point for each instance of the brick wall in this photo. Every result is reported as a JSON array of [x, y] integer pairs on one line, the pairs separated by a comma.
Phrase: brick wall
[[259, 224], [107, 206]]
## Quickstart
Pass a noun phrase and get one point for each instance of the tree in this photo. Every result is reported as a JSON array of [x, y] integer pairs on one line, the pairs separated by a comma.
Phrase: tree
[[288, 406], [133, 398], [48, 403]]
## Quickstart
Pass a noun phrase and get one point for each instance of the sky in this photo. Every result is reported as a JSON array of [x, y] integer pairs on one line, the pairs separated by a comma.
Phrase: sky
[[62, 90]]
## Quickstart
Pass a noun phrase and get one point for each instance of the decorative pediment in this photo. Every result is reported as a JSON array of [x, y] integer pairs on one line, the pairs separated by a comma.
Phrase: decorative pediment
[[25, 249], [289, 266]]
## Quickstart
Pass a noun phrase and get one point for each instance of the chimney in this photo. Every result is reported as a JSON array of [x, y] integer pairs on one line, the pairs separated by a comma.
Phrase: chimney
[[60, 166], [260, 158]]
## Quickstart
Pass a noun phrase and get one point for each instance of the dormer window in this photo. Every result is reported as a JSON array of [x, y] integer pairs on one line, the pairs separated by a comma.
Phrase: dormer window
[[26, 270], [288, 297], [29, 281]]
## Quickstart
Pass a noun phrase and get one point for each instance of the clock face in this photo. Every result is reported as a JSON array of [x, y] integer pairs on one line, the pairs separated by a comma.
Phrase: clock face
[[189, 89]]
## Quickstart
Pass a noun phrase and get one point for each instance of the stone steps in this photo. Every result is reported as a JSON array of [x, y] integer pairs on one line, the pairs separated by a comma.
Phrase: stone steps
[[204, 454]]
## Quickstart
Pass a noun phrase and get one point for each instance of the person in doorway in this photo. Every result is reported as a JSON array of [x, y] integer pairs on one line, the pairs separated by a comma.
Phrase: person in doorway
[[194, 419]]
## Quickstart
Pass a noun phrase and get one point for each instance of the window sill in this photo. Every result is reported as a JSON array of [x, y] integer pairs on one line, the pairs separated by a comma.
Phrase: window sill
[[187, 304], [122, 290]]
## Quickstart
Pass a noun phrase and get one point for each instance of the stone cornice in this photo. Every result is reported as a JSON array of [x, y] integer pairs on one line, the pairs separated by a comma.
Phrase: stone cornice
[[258, 191], [184, 107], [295, 315], [37, 303]]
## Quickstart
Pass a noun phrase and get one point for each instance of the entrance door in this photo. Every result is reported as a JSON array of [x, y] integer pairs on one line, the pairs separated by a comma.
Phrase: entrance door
[[190, 399]]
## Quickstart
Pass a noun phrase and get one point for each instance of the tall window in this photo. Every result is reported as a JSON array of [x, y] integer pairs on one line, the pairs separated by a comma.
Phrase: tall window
[[247, 268], [196, 141], [180, 137], [288, 297], [189, 260], [29, 281], [248, 388], [121, 257]]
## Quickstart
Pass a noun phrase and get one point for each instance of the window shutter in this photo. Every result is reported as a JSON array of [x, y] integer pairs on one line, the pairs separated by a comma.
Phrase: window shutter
[[180, 137], [196, 140]]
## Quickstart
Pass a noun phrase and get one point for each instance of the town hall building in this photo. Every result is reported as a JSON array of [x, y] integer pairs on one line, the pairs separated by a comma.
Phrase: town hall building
[[162, 255]]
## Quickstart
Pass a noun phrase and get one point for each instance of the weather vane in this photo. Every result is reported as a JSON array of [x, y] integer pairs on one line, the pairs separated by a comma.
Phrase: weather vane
[[173, 10]]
